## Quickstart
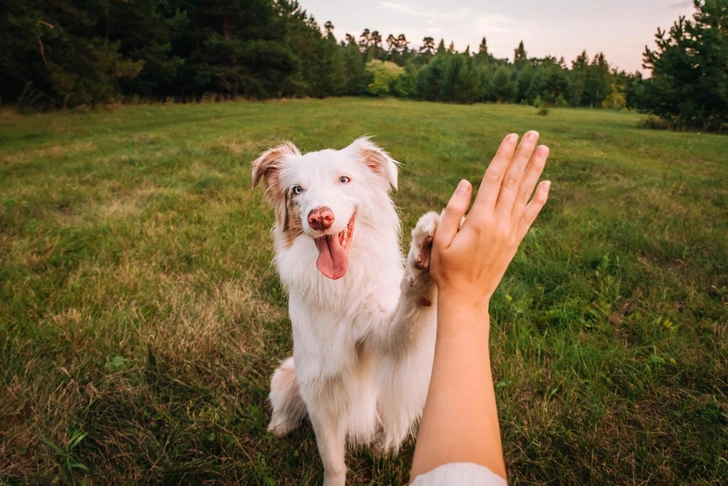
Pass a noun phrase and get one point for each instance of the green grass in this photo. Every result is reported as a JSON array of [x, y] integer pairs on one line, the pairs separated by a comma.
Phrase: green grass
[[140, 318]]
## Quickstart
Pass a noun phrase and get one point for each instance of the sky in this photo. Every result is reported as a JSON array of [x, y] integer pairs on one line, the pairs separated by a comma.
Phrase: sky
[[618, 28]]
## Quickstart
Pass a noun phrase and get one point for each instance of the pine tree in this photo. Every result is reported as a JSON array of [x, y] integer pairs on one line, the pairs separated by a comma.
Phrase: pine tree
[[689, 84], [329, 28], [503, 87], [483, 47], [520, 57], [578, 75], [598, 82], [356, 77], [427, 50]]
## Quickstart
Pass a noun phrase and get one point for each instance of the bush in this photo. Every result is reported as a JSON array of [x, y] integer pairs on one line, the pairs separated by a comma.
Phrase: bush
[[654, 123], [384, 75]]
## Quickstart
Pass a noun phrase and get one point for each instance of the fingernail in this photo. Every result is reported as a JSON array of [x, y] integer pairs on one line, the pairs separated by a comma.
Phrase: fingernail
[[546, 185], [532, 135], [462, 187], [512, 138]]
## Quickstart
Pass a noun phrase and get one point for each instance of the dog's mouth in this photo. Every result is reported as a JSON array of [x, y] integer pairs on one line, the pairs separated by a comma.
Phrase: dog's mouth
[[333, 259]]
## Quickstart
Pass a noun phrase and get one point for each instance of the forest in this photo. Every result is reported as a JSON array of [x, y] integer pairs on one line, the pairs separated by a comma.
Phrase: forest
[[66, 53]]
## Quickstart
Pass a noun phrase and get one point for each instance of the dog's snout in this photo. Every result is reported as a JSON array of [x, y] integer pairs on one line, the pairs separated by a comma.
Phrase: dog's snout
[[321, 218]]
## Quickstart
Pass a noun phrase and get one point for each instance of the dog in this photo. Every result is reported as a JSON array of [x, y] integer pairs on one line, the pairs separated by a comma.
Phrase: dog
[[363, 317]]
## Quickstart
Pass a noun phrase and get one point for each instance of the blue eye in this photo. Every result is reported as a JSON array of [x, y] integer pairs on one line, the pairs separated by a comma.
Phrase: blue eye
[[344, 180], [297, 189]]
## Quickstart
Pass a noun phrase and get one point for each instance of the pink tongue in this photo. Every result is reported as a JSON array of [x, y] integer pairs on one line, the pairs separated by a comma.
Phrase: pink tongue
[[333, 259]]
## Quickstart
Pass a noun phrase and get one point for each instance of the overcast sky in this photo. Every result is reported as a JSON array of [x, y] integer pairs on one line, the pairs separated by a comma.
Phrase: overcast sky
[[619, 28]]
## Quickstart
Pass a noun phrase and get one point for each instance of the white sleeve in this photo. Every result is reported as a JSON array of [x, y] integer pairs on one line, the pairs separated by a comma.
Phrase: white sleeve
[[456, 473]]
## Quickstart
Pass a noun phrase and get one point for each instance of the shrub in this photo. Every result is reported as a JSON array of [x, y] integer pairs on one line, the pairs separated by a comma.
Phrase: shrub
[[654, 123], [384, 75]]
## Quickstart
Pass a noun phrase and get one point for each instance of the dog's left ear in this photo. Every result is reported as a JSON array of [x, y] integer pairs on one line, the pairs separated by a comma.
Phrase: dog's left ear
[[376, 159]]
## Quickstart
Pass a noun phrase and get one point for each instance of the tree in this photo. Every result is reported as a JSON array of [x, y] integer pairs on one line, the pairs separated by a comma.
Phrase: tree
[[578, 74], [356, 77], [430, 78], [689, 84], [329, 28], [427, 50], [483, 47], [376, 41], [61, 53], [402, 43], [384, 75], [520, 57], [503, 87], [598, 82], [550, 83], [468, 85], [364, 40], [428, 46], [392, 43], [524, 81]]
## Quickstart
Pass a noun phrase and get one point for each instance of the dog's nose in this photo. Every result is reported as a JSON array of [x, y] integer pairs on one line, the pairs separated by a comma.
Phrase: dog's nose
[[321, 218]]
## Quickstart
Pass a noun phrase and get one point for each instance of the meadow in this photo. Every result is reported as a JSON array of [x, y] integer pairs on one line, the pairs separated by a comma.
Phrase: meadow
[[140, 318]]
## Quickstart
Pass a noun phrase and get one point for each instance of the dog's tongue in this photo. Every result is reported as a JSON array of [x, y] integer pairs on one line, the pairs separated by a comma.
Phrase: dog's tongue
[[333, 259]]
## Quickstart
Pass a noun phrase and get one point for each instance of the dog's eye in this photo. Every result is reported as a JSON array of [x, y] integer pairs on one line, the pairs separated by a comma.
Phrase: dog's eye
[[344, 180], [297, 189]]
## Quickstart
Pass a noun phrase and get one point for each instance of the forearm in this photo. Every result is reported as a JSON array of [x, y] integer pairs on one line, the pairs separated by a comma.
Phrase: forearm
[[460, 421]]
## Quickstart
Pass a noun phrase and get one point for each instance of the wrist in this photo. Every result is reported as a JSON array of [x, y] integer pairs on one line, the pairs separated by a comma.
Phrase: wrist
[[458, 300], [459, 315]]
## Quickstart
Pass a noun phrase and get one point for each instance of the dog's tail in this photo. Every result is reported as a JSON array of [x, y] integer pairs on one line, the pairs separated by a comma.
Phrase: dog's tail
[[285, 399]]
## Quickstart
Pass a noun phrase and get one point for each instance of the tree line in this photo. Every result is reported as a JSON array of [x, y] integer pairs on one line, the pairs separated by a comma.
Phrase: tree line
[[63, 53]]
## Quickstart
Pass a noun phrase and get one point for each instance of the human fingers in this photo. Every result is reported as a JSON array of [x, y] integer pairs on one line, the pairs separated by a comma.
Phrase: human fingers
[[533, 209], [452, 214], [530, 178], [514, 174], [493, 177]]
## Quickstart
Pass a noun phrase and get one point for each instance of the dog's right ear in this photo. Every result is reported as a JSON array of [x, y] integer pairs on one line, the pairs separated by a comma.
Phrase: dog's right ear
[[268, 167], [269, 164]]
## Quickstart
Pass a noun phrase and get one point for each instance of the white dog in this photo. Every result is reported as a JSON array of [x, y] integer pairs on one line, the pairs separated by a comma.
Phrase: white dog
[[363, 323]]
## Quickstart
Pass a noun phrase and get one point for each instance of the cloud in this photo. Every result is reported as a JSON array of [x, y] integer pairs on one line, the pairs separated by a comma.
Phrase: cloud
[[452, 14], [403, 9], [494, 23]]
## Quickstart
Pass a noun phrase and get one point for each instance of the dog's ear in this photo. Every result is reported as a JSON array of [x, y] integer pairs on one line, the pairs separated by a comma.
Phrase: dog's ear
[[376, 159], [269, 164], [267, 167]]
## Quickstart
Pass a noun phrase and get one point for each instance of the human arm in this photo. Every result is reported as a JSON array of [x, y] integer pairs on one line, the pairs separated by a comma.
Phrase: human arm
[[460, 420]]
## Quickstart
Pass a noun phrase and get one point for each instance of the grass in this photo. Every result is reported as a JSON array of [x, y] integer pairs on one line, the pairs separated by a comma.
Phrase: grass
[[140, 318]]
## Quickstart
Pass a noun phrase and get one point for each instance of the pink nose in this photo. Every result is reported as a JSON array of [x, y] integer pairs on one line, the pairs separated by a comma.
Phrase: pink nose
[[320, 219]]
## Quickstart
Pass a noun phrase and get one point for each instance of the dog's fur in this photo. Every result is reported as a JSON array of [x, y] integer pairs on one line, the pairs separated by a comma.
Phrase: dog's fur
[[363, 329]]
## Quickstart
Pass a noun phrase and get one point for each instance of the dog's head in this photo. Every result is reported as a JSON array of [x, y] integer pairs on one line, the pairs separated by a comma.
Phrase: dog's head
[[322, 194]]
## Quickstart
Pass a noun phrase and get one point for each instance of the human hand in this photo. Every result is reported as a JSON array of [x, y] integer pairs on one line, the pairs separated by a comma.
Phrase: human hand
[[469, 262]]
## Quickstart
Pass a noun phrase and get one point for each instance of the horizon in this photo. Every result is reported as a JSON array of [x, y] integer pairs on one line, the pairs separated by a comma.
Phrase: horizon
[[620, 30]]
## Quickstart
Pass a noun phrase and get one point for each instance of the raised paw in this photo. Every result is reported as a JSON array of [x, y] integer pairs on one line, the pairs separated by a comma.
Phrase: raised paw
[[421, 246]]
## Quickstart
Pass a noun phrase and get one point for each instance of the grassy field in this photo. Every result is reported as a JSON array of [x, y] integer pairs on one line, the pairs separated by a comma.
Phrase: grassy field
[[140, 318]]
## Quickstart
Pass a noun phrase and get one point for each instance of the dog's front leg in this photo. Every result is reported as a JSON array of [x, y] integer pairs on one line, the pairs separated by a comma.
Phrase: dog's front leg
[[331, 441], [415, 308], [403, 371]]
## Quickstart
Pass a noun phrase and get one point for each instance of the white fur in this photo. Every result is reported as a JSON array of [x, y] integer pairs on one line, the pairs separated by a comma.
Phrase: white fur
[[363, 344]]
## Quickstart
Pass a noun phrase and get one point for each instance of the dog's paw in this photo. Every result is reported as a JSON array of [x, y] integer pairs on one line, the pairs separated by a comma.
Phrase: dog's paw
[[421, 246], [280, 426]]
